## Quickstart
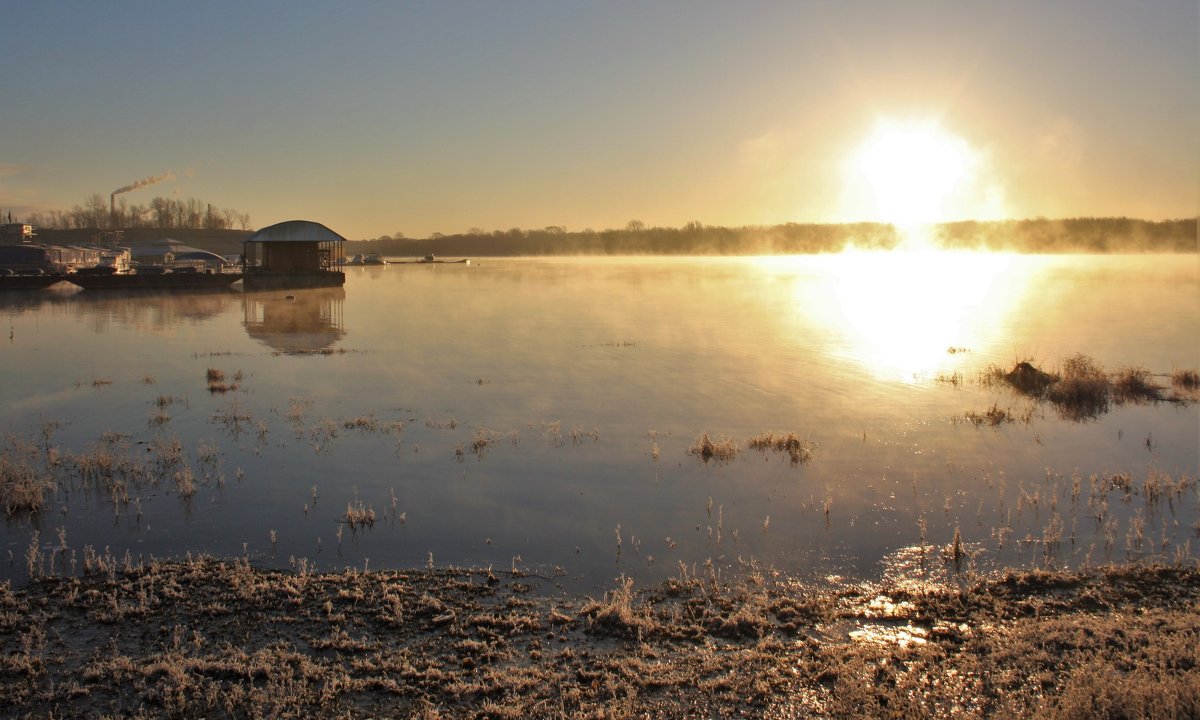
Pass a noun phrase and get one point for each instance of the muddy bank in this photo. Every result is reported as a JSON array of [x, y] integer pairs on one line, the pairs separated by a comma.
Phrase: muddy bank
[[223, 639]]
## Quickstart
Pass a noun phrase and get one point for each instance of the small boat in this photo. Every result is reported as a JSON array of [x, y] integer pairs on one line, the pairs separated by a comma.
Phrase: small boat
[[373, 259]]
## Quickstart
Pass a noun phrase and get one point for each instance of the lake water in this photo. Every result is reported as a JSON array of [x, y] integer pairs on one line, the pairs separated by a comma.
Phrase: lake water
[[541, 413]]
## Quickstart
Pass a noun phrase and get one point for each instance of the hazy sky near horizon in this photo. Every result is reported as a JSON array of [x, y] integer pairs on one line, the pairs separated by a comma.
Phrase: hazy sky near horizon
[[384, 117]]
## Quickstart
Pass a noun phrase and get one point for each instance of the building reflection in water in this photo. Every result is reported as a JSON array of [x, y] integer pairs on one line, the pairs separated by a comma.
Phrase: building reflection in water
[[296, 322], [147, 310]]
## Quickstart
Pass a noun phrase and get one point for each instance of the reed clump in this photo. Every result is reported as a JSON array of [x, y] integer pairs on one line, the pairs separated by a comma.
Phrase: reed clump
[[994, 416], [485, 439], [185, 482], [359, 515], [25, 481], [1080, 391], [718, 451], [798, 450], [1083, 390], [366, 422], [216, 381], [1186, 380], [1136, 384], [615, 614]]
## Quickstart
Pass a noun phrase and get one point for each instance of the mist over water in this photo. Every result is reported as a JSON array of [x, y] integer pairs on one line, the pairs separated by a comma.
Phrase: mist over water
[[540, 413]]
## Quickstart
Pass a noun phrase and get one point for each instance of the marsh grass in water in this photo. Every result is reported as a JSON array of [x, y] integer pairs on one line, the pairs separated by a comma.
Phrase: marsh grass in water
[[799, 451], [954, 379], [216, 381], [717, 451], [993, 416], [1083, 390], [724, 450], [1188, 380], [486, 439], [359, 515], [26, 477], [367, 422]]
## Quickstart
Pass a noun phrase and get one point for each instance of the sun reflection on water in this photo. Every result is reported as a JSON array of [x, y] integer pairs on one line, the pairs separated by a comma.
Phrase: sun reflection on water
[[903, 314]]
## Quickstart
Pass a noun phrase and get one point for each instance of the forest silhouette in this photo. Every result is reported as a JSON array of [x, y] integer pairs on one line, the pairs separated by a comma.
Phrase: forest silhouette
[[222, 230], [1038, 235]]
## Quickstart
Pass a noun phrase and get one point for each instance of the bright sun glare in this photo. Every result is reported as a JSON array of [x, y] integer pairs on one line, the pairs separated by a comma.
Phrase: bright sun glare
[[898, 313], [912, 170]]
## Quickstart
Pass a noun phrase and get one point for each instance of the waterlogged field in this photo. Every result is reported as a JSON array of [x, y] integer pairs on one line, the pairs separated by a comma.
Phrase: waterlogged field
[[863, 416]]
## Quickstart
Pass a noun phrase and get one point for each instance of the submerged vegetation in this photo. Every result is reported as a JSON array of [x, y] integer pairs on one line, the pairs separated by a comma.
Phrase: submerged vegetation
[[1083, 390], [24, 480], [718, 451], [725, 450], [1186, 379], [798, 451], [993, 416]]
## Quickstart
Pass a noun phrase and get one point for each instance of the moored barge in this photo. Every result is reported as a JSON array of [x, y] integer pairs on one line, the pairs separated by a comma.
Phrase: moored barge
[[29, 282], [154, 281]]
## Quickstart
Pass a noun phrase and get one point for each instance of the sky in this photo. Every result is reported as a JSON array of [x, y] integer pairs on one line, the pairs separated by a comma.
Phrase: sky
[[378, 118]]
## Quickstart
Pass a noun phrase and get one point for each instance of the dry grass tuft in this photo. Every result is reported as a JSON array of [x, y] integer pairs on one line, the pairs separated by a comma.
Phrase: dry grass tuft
[[718, 451], [24, 478], [358, 515], [1135, 384], [615, 614], [485, 439], [993, 416], [217, 384], [1186, 380], [799, 451], [1083, 390], [366, 422]]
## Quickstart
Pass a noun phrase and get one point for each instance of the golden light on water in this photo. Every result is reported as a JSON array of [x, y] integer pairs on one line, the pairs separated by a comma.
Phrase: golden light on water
[[905, 310], [899, 313]]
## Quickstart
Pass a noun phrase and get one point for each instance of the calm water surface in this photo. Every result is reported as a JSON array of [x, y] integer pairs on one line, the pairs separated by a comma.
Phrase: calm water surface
[[540, 413]]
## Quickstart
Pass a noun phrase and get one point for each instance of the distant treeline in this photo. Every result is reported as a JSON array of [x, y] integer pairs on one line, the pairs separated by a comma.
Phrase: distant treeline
[[100, 213], [1033, 236], [1073, 235], [636, 239]]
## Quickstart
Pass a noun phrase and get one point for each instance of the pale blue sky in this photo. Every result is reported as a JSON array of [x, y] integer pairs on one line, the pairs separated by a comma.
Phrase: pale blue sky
[[420, 117]]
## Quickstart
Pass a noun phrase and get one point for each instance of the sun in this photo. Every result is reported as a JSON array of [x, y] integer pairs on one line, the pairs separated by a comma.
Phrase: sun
[[908, 173]]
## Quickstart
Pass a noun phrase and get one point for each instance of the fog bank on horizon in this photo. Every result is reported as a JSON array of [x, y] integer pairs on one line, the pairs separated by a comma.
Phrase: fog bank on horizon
[[1040, 235]]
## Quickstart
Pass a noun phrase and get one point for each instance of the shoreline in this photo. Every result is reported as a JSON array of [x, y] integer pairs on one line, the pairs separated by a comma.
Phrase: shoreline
[[203, 637]]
